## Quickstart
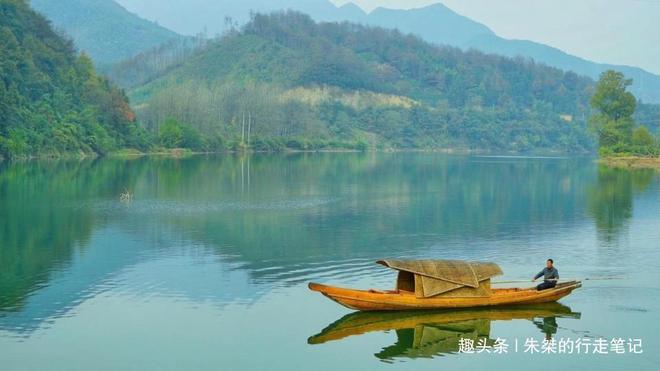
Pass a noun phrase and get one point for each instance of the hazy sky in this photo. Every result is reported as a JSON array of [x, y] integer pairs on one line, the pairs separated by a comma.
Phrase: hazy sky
[[612, 31]]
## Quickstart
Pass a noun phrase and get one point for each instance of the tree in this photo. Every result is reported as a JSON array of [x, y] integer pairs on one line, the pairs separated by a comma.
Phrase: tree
[[174, 134], [612, 98], [171, 134], [642, 137], [191, 138], [615, 106]]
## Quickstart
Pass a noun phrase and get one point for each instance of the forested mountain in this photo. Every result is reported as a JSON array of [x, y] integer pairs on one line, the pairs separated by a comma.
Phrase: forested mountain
[[645, 88], [103, 29], [283, 79], [435, 23], [439, 24], [152, 63], [51, 100]]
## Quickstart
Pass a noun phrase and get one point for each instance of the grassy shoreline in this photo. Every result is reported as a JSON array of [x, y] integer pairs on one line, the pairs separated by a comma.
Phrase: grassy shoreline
[[631, 162]]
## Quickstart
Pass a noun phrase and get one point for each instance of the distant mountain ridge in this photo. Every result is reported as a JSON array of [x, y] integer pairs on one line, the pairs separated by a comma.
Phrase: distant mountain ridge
[[103, 29], [434, 23], [439, 24]]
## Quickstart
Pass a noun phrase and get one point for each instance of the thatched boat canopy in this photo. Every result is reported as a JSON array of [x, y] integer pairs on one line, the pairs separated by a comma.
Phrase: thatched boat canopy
[[428, 278]]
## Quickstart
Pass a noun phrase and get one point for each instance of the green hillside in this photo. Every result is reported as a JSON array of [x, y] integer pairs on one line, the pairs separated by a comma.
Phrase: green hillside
[[152, 63], [435, 23], [103, 29], [51, 100], [303, 84]]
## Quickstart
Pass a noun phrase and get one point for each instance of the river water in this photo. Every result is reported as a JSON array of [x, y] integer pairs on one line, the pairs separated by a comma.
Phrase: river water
[[205, 266]]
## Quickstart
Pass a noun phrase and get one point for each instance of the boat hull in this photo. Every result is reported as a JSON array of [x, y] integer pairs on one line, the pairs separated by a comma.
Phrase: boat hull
[[371, 300]]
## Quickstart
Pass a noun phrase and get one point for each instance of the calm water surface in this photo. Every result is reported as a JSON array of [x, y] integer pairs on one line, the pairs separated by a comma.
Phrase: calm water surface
[[206, 268]]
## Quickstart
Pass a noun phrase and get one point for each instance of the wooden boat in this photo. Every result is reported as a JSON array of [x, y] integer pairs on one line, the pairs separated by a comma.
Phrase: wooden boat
[[441, 284]]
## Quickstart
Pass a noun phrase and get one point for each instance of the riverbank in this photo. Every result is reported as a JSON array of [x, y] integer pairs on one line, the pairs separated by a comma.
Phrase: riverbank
[[632, 162], [122, 154], [183, 152], [132, 153]]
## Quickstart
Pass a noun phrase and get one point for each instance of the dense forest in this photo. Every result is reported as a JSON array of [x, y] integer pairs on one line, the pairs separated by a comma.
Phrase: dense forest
[[51, 99], [283, 80]]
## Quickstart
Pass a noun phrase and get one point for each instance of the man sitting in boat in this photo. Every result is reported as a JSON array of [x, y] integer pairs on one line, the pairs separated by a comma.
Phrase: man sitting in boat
[[550, 276]]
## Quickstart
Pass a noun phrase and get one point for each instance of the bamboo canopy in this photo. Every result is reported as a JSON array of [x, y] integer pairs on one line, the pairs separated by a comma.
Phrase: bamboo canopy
[[429, 278]]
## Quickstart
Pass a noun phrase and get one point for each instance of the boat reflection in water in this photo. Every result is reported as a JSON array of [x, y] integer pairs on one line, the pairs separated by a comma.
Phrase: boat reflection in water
[[428, 334]]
